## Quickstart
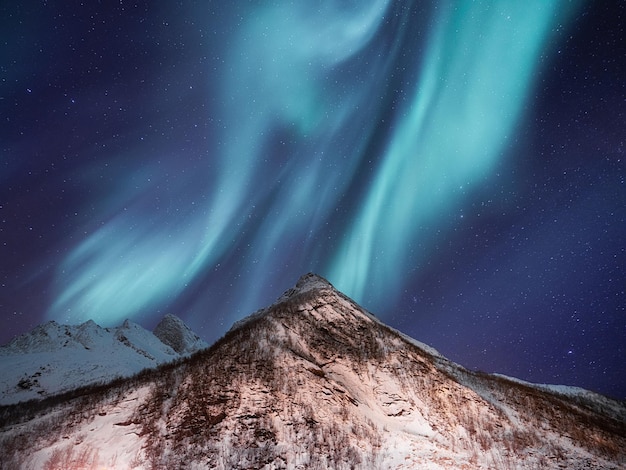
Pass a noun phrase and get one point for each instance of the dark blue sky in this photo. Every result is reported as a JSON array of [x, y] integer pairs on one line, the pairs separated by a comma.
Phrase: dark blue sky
[[457, 168]]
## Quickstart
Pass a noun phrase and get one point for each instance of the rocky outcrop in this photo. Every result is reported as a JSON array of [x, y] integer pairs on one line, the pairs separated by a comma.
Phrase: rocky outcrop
[[172, 331]]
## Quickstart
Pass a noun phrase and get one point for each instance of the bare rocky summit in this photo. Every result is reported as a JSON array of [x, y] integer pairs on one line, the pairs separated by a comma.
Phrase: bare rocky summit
[[172, 331]]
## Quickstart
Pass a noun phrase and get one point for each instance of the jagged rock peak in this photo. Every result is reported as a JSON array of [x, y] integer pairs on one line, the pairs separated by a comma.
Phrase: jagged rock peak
[[89, 324], [306, 283], [172, 331]]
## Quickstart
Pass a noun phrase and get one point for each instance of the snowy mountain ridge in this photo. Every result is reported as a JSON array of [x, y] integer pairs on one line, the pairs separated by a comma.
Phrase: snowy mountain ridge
[[54, 358], [316, 382]]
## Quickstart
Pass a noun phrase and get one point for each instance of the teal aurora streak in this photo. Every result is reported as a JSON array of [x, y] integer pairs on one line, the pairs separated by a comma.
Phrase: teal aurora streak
[[473, 83], [299, 99]]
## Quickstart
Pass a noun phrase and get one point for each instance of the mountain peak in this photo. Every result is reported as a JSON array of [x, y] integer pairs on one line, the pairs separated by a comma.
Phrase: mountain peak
[[312, 281], [308, 282], [172, 331]]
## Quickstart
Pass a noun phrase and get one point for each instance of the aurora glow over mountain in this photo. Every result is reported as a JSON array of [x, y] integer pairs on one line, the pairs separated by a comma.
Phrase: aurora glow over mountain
[[433, 160]]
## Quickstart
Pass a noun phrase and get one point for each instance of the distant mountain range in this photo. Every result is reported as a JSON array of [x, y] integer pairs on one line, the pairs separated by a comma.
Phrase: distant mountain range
[[54, 358], [311, 382]]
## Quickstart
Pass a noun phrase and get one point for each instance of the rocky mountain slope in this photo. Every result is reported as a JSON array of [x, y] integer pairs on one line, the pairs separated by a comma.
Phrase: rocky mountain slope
[[316, 382], [54, 358]]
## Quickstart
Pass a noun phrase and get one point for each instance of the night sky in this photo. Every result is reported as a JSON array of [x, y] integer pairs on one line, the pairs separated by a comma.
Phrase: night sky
[[455, 167]]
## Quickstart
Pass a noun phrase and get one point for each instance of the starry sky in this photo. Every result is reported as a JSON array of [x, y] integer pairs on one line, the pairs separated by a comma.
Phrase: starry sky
[[457, 167]]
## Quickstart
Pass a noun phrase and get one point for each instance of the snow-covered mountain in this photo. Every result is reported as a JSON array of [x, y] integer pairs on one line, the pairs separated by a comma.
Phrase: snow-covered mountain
[[316, 382], [54, 358]]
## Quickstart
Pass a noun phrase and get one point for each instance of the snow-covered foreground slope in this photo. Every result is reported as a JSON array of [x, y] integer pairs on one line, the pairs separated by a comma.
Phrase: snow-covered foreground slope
[[54, 358], [315, 382]]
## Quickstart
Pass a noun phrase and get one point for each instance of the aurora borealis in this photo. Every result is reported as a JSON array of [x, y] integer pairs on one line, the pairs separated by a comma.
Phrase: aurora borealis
[[465, 102], [456, 167]]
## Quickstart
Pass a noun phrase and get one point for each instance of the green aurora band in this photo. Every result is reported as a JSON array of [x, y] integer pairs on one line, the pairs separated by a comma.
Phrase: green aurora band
[[481, 62], [298, 116]]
